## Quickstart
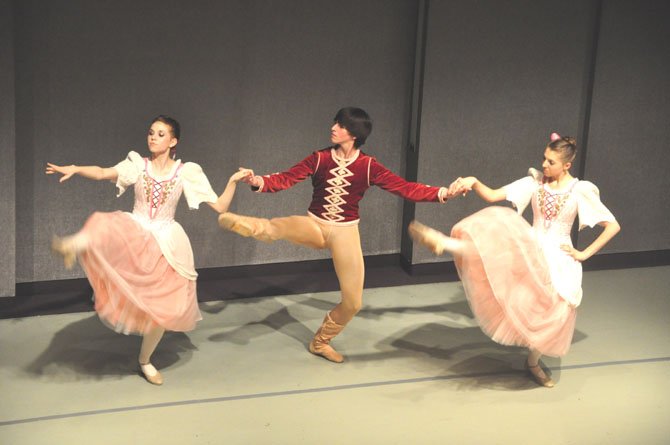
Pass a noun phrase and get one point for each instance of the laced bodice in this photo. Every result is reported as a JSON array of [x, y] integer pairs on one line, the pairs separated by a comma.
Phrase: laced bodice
[[554, 211], [156, 197]]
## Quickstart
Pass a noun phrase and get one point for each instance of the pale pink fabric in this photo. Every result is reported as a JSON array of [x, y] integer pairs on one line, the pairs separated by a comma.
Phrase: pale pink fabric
[[579, 198], [135, 286], [140, 264], [521, 285], [508, 283], [157, 215]]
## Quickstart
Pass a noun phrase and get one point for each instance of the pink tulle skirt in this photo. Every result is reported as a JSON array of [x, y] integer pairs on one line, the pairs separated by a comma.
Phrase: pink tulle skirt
[[135, 287], [507, 283]]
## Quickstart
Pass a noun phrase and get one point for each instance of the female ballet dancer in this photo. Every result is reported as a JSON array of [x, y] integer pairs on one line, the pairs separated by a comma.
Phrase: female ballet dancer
[[524, 284], [340, 175], [140, 264]]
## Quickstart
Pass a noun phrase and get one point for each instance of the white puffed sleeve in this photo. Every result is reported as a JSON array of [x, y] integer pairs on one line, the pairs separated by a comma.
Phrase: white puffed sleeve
[[197, 188], [521, 191], [128, 171], [590, 209]]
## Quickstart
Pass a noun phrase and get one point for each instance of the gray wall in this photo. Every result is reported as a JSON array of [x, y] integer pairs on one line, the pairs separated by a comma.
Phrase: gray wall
[[252, 84], [628, 154], [498, 81], [257, 85], [7, 150], [500, 76]]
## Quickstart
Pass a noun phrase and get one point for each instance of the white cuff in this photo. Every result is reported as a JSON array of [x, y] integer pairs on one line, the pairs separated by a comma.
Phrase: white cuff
[[260, 188], [442, 195]]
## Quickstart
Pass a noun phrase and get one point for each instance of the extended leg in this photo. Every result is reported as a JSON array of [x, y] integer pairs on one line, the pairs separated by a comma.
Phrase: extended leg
[[436, 241], [301, 230], [68, 247]]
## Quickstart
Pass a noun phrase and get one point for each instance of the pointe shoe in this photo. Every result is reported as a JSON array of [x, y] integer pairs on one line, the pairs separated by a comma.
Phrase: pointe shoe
[[435, 240], [320, 344], [64, 249], [244, 225], [151, 374], [539, 376]]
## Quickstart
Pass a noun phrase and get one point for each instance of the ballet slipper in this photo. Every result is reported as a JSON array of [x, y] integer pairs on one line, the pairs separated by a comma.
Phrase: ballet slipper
[[435, 240], [245, 225], [65, 249], [151, 374], [539, 376], [320, 344]]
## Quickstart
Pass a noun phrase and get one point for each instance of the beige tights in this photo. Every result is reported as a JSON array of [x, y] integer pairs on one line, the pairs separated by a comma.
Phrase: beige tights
[[344, 243], [149, 342]]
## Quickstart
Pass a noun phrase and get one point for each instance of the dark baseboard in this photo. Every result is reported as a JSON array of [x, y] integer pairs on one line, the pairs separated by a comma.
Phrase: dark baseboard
[[267, 280], [220, 283], [628, 260]]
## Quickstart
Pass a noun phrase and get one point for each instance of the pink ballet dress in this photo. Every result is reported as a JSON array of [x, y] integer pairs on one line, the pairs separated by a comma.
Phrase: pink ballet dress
[[140, 264], [522, 288]]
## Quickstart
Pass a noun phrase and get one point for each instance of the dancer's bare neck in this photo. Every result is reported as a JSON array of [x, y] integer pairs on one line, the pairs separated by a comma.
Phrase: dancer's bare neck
[[346, 150], [161, 163]]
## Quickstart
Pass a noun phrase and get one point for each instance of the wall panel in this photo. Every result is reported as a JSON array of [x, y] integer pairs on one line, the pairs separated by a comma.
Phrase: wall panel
[[500, 76], [628, 152], [252, 84]]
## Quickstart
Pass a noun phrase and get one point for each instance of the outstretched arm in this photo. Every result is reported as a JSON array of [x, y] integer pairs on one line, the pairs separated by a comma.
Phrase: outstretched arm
[[382, 177], [223, 202], [611, 228], [464, 185], [91, 172], [277, 182]]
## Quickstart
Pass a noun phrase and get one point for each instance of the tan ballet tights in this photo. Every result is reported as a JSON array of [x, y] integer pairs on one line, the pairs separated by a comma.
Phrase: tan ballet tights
[[344, 243]]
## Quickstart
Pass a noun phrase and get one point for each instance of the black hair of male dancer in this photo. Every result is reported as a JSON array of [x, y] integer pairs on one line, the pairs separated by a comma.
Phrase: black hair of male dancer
[[356, 121]]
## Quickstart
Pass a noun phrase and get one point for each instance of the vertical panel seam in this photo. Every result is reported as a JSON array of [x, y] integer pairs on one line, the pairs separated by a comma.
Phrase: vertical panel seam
[[588, 98], [412, 145]]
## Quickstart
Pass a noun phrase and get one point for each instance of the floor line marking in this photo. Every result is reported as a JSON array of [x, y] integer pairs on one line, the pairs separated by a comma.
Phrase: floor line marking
[[317, 390]]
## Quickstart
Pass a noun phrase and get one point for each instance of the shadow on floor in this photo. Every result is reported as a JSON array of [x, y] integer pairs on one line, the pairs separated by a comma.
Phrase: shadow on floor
[[499, 371], [472, 358], [279, 320], [86, 349]]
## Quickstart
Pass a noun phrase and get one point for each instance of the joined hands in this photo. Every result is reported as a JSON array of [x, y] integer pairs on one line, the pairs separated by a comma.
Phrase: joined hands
[[251, 179], [243, 174], [461, 186]]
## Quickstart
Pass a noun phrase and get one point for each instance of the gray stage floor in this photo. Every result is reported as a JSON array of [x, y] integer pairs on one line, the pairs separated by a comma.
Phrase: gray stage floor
[[418, 371]]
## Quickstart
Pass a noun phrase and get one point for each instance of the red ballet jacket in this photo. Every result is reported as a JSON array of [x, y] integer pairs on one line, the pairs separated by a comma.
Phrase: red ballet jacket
[[340, 184]]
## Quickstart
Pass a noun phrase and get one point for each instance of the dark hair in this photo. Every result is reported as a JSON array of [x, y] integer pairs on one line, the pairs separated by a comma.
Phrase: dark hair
[[566, 147], [174, 127], [356, 121]]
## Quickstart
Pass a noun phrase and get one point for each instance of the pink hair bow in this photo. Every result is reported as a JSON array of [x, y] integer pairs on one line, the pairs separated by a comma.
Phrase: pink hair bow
[[554, 136]]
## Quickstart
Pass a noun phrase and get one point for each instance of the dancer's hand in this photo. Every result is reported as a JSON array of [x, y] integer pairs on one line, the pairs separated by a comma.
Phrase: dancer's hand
[[456, 188], [449, 193], [578, 255], [67, 171], [253, 180], [241, 175], [462, 186]]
